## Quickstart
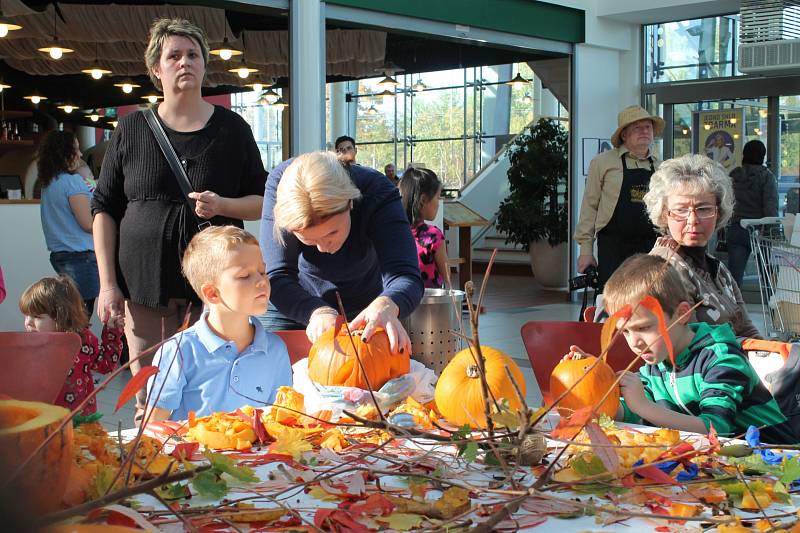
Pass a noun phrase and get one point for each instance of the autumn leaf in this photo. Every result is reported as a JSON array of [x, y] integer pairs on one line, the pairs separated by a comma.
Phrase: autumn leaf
[[134, 384], [174, 491], [321, 494], [603, 448], [610, 326], [336, 520], [453, 502], [401, 521], [208, 485], [375, 505], [256, 515], [222, 464], [185, 450], [570, 426], [651, 304], [653, 473], [292, 442]]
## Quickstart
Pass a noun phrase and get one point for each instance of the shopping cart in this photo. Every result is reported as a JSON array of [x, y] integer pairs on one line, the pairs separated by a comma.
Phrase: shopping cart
[[778, 264]]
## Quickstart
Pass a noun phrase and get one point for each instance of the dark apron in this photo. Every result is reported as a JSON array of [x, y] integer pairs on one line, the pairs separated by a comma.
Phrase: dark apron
[[629, 231]]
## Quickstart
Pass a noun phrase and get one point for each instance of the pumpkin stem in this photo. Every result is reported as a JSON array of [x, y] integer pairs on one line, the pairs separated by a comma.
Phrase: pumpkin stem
[[473, 372]]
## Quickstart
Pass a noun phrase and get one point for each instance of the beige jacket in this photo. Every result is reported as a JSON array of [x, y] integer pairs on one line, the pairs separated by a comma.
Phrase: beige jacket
[[602, 192]]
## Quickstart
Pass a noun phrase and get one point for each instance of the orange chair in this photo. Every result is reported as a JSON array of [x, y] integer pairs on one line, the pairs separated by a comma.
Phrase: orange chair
[[547, 342], [296, 342], [35, 365]]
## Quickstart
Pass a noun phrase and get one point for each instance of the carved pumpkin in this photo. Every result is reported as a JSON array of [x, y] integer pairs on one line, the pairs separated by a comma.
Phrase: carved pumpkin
[[589, 391], [459, 395], [333, 361], [23, 427]]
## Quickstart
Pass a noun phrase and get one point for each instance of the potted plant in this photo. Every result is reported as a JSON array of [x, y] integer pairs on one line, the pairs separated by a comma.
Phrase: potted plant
[[534, 215]]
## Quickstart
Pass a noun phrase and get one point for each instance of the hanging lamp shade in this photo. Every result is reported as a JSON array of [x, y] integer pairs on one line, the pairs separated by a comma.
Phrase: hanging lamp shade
[[517, 82], [4, 86], [225, 50], [269, 96], [55, 50], [419, 86], [67, 108], [96, 71], [280, 103], [152, 98], [388, 82], [35, 98], [127, 86]]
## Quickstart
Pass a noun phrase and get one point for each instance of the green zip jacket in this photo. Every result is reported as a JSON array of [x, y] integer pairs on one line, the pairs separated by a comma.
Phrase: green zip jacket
[[713, 380]]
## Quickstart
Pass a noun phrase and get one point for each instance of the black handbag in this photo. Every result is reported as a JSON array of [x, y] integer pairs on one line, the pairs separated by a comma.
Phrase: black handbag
[[175, 164]]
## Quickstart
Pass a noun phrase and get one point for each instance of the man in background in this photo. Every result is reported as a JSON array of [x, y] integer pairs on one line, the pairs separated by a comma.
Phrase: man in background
[[391, 172], [345, 147]]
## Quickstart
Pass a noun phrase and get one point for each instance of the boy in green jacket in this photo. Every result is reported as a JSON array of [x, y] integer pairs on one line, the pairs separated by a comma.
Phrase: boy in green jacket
[[712, 381]]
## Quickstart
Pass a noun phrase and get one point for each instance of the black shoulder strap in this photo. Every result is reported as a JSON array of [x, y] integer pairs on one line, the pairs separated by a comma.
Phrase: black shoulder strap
[[174, 162]]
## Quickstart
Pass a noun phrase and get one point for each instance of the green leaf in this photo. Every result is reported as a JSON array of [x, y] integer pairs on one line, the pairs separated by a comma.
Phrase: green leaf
[[791, 470], [754, 464], [209, 485], [223, 464], [606, 422], [174, 491], [468, 451], [77, 420], [103, 480], [462, 433], [779, 490], [585, 468]]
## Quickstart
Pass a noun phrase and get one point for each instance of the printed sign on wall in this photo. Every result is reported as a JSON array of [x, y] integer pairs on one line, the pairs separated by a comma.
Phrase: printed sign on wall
[[719, 134]]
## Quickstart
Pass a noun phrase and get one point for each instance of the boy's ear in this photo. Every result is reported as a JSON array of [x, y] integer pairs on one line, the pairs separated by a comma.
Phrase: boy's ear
[[209, 293], [683, 309]]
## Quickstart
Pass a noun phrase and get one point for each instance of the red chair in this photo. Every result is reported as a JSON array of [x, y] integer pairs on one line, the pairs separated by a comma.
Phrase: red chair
[[35, 365], [296, 342], [547, 342]]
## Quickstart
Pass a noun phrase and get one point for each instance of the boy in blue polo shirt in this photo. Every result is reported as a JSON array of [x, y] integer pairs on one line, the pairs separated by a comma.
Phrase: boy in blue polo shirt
[[226, 360]]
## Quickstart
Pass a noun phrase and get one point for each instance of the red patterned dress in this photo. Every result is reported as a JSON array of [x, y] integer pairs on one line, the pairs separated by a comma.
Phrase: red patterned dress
[[428, 239], [100, 357]]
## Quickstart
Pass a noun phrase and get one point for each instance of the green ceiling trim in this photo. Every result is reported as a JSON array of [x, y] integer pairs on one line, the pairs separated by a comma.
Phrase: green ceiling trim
[[522, 17]]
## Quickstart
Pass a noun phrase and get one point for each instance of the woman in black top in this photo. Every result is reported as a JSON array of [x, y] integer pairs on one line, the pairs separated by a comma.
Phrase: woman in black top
[[141, 219], [756, 192]]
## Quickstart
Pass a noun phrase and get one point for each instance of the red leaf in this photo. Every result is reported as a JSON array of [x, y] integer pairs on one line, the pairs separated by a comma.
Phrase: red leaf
[[337, 520], [628, 481], [375, 505], [136, 382], [610, 327], [524, 522], [247, 418], [570, 426], [664, 529], [339, 323], [650, 303], [654, 474], [712, 438], [185, 450], [603, 447], [259, 429]]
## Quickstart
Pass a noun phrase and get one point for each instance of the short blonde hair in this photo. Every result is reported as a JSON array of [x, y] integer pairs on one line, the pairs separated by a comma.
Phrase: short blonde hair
[[691, 174], [160, 31], [59, 298], [641, 275], [314, 187], [204, 258]]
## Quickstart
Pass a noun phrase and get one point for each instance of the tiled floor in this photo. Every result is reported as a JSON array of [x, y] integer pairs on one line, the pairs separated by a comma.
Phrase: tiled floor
[[510, 301]]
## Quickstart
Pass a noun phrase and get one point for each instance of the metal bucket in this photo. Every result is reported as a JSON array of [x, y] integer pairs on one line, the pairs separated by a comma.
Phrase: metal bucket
[[430, 326]]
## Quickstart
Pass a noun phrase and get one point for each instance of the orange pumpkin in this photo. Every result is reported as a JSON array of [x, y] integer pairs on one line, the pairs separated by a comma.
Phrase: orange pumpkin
[[459, 395], [332, 360], [23, 427], [288, 397], [591, 388]]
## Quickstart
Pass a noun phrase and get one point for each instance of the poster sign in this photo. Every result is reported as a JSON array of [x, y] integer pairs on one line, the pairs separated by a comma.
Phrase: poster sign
[[719, 134]]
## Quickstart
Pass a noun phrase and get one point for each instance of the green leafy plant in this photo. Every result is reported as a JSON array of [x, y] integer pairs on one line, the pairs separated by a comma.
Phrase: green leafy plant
[[536, 207]]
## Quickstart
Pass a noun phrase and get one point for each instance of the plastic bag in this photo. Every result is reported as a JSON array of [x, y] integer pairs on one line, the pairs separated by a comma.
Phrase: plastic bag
[[419, 383]]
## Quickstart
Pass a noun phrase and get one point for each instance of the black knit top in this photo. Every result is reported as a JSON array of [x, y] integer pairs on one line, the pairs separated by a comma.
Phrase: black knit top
[[139, 191]]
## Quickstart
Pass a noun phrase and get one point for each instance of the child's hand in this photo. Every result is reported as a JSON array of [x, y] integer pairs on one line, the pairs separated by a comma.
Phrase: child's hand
[[116, 321], [574, 353], [632, 389]]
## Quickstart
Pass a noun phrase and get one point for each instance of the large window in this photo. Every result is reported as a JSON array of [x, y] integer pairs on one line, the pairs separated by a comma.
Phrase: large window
[[691, 49], [266, 123]]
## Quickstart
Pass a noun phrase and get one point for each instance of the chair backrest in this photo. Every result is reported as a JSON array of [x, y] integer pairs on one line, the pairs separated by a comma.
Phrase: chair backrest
[[547, 342], [35, 365], [296, 342]]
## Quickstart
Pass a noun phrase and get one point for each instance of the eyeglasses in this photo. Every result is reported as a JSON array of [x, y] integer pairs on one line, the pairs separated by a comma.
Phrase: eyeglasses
[[703, 211]]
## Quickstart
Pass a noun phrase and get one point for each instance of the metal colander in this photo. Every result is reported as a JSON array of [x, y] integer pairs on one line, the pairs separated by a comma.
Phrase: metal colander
[[430, 326]]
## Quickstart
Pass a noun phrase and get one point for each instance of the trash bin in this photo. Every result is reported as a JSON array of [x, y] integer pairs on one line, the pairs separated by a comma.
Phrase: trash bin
[[430, 326]]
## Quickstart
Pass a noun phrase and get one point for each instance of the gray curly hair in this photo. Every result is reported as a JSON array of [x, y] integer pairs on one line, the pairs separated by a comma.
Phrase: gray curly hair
[[691, 174]]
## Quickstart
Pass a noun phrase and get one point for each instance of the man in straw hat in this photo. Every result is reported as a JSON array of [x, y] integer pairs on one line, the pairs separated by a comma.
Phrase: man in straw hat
[[612, 211]]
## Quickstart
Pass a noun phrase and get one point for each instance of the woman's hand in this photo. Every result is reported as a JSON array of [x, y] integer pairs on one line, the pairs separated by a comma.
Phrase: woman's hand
[[632, 390], [322, 320], [208, 204], [110, 304], [382, 312]]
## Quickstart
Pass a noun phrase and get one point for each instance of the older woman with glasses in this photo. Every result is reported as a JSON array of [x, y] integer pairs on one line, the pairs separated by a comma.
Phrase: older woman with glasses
[[690, 198]]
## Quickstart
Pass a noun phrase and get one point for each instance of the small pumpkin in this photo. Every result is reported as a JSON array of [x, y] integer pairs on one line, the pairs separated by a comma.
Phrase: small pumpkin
[[23, 427], [459, 395], [591, 388], [332, 360]]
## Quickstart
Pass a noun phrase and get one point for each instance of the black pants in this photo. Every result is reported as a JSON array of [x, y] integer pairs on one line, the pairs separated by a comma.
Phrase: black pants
[[614, 248]]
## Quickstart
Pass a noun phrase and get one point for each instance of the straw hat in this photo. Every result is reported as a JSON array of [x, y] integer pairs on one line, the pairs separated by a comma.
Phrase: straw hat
[[631, 114]]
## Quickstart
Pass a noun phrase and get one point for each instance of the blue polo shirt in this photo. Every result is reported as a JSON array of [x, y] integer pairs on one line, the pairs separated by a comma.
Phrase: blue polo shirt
[[209, 376]]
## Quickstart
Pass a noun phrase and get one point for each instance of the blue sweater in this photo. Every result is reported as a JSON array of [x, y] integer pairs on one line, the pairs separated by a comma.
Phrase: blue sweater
[[378, 258]]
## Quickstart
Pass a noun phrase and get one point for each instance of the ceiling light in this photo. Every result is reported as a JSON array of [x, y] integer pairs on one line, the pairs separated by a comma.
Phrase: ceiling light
[[517, 82], [67, 108], [96, 71], [243, 71], [763, 113], [54, 49], [152, 98], [706, 127], [4, 86], [113, 123], [127, 86], [225, 51], [527, 100], [757, 131], [733, 120], [372, 110], [735, 135], [270, 97], [6, 26], [388, 82], [259, 86], [280, 103], [387, 92], [685, 131], [419, 86], [35, 98], [94, 117]]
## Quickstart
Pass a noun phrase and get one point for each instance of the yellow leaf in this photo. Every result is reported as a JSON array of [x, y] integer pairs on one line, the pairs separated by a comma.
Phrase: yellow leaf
[[290, 441], [401, 521], [761, 500], [261, 515], [319, 493], [453, 502]]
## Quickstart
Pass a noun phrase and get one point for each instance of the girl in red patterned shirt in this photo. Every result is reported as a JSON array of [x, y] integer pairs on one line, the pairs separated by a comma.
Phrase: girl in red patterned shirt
[[54, 304]]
